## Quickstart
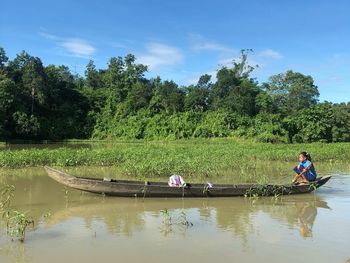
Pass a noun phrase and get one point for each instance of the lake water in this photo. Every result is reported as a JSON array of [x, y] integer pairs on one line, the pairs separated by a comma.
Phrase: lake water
[[72, 226]]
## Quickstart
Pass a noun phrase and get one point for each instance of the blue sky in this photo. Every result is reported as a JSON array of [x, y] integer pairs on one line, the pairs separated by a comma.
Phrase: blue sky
[[180, 40]]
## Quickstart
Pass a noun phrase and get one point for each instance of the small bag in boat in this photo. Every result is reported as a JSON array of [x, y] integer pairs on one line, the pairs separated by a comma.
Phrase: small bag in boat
[[176, 180]]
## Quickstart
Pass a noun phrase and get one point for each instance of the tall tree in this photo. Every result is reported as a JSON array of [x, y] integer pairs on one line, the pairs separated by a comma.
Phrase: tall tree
[[7, 104], [121, 74], [234, 90], [197, 96], [292, 91], [167, 96], [3, 58], [138, 97], [92, 76], [34, 82]]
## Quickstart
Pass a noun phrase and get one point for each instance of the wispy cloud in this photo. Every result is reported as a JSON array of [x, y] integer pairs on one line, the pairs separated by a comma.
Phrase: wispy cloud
[[200, 43], [159, 54], [269, 53], [48, 36], [76, 47], [211, 46]]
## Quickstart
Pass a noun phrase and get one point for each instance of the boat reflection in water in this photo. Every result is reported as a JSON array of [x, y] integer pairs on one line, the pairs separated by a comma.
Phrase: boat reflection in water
[[40, 195], [87, 226]]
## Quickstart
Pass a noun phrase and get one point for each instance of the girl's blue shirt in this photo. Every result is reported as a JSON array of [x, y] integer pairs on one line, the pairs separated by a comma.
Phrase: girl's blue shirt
[[311, 170]]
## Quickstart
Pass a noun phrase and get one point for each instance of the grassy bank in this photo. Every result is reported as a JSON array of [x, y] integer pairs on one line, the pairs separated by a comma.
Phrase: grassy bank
[[190, 158]]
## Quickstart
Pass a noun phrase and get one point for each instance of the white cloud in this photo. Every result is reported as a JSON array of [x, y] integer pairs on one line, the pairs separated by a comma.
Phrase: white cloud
[[78, 47], [159, 54], [200, 43], [269, 53], [210, 46], [75, 47], [48, 36]]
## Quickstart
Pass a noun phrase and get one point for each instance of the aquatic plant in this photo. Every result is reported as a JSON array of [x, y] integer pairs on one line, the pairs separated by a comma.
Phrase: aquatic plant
[[200, 159], [266, 190], [168, 222], [183, 220], [17, 223]]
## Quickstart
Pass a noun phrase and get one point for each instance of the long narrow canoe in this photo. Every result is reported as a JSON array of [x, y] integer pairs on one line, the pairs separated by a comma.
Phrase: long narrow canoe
[[128, 188]]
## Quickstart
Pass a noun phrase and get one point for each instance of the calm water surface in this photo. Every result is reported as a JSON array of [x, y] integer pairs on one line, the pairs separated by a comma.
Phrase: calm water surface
[[71, 226]]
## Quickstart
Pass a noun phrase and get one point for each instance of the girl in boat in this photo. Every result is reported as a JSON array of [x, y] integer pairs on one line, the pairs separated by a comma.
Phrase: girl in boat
[[305, 170]]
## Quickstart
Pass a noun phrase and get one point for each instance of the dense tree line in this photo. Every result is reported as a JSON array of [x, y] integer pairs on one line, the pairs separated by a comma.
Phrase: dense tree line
[[49, 102]]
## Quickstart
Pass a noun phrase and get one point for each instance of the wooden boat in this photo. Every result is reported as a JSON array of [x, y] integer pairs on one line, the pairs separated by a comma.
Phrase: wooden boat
[[128, 188]]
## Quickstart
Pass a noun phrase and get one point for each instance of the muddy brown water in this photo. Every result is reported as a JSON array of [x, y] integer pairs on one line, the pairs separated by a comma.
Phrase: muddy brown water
[[72, 226]]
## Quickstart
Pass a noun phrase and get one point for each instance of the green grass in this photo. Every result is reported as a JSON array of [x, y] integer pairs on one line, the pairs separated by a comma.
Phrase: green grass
[[190, 158]]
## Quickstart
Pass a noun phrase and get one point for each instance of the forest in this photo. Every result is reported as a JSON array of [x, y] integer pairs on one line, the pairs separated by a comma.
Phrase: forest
[[39, 102]]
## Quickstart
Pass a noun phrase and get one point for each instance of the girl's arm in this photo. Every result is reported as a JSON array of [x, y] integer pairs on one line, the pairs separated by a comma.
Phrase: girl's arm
[[306, 169]]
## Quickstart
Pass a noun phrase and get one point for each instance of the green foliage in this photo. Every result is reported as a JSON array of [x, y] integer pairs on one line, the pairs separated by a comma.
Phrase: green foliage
[[3, 58], [313, 124], [292, 91], [341, 124], [197, 96], [93, 78], [17, 224], [40, 102], [234, 90], [26, 125], [168, 97], [268, 128], [190, 158]]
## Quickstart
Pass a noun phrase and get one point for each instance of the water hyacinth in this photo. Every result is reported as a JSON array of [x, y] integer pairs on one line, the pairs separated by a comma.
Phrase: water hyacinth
[[191, 158]]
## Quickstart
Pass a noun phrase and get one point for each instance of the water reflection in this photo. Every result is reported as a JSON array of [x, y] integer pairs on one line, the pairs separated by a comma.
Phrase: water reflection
[[240, 217], [41, 196], [306, 214], [79, 222], [295, 212]]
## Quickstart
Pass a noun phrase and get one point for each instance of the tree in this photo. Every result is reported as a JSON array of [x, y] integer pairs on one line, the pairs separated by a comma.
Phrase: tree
[[312, 124], [264, 103], [66, 109], [234, 90], [197, 96], [34, 81], [341, 129], [3, 58], [92, 76], [121, 74], [138, 97], [7, 104], [26, 126], [133, 72], [113, 78], [167, 96], [28, 73], [292, 91]]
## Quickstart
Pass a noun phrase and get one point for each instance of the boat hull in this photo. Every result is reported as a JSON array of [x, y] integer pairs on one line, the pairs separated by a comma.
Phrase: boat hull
[[125, 188]]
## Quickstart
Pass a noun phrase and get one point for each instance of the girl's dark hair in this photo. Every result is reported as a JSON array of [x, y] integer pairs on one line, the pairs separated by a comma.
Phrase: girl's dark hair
[[306, 155]]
